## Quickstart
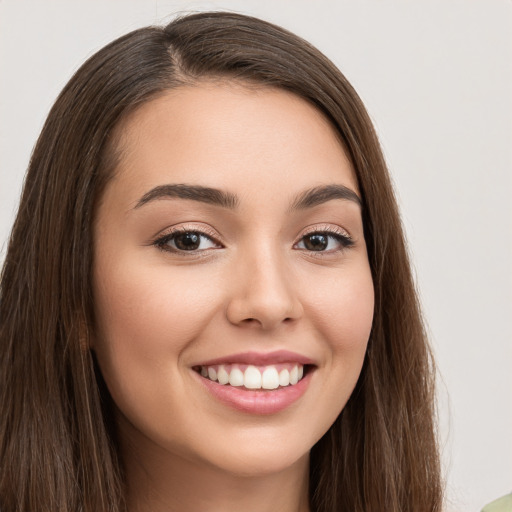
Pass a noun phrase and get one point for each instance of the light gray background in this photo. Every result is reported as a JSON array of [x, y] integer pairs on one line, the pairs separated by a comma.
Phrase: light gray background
[[436, 77]]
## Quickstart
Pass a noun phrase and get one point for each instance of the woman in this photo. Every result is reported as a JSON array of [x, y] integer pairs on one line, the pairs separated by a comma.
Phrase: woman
[[206, 300]]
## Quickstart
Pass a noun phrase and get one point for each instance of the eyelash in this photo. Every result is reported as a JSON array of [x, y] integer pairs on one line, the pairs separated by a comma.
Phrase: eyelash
[[163, 241], [341, 237]]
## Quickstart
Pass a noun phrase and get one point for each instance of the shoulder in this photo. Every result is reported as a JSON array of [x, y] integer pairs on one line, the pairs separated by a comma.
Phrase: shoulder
[[503, 504]]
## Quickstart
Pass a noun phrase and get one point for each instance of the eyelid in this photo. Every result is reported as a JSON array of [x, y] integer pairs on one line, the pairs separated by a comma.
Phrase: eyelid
[[342, 236], [325, 228], [201, 229], [335, 231]]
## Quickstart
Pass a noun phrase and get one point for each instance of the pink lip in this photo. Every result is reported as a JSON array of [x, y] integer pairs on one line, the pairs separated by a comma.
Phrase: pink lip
[[260, 359], [257, 402]]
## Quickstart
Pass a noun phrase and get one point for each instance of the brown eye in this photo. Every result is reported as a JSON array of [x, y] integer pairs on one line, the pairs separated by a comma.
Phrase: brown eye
[[316, 242], [324, 241], [182, 241], [187, 241]]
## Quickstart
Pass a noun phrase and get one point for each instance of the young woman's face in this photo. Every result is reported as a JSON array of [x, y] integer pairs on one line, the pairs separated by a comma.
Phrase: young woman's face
[[230, 261]]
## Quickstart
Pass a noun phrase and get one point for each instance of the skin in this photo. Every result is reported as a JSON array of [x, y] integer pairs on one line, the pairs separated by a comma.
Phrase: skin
[[254, 286]]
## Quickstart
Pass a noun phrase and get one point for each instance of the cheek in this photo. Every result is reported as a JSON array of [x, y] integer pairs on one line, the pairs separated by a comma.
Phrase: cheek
[[145, 303], [146, 318], [343, 315], [339, 308], [343, 310]]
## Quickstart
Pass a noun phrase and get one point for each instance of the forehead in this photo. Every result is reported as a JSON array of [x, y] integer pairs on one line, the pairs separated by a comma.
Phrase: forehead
[[228, 135]]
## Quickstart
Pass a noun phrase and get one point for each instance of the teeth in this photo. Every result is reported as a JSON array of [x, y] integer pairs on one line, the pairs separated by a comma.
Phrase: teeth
[[212, 373], [252, 378], [267, 377], [222, 375], [270, 378], [294, 375], [284, 377], [236, 377]]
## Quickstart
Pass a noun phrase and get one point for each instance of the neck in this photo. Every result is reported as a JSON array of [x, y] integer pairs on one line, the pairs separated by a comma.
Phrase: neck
[[159, 481]]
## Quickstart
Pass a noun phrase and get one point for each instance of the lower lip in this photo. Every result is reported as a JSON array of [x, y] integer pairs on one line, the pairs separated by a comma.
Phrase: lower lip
[[257, 402]]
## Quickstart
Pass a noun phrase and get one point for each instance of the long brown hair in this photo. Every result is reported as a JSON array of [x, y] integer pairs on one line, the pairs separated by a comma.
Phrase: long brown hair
[[57, 438]]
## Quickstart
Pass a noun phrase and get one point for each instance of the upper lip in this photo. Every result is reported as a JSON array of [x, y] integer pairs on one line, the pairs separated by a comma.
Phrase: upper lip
[[259, 358]]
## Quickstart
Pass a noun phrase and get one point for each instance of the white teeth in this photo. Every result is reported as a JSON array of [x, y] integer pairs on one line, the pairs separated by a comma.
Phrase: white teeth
[[284, 377], [294, 375], [212, 373], [270, 378], [236, 377], [222, 375], [253, 377]]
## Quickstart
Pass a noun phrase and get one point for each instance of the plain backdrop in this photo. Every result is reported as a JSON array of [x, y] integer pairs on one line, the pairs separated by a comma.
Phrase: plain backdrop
[[436, 77]]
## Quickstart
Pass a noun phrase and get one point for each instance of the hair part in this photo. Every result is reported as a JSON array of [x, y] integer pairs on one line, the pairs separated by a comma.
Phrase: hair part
[[58, 448]]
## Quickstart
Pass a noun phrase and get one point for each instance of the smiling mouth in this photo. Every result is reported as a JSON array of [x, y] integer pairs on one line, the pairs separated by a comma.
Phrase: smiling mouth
[[251, 377]]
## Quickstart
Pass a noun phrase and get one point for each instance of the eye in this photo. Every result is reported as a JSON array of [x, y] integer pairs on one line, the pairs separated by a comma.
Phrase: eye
[[186, 240], [325, 241]]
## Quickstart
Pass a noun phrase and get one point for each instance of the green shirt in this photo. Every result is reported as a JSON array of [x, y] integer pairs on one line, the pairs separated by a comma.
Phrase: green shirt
[[500, 505]]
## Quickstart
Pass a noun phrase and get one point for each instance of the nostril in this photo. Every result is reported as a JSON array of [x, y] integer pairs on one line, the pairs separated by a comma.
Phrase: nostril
[[257, 310]]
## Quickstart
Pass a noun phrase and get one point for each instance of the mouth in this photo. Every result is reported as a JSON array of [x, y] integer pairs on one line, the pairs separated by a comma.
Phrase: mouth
[[257, 383], [251, 377]]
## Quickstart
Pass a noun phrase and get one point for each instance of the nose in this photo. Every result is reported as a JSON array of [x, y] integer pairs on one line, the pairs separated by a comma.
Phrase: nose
[[263, 293]]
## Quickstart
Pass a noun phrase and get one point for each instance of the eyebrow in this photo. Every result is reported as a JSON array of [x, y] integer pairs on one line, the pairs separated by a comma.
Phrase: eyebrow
[[193, 192], [307, 199], [322, 194]]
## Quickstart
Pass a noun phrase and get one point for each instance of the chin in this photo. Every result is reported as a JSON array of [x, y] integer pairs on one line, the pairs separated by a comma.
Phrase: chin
[[255, 452], [262, 462]]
